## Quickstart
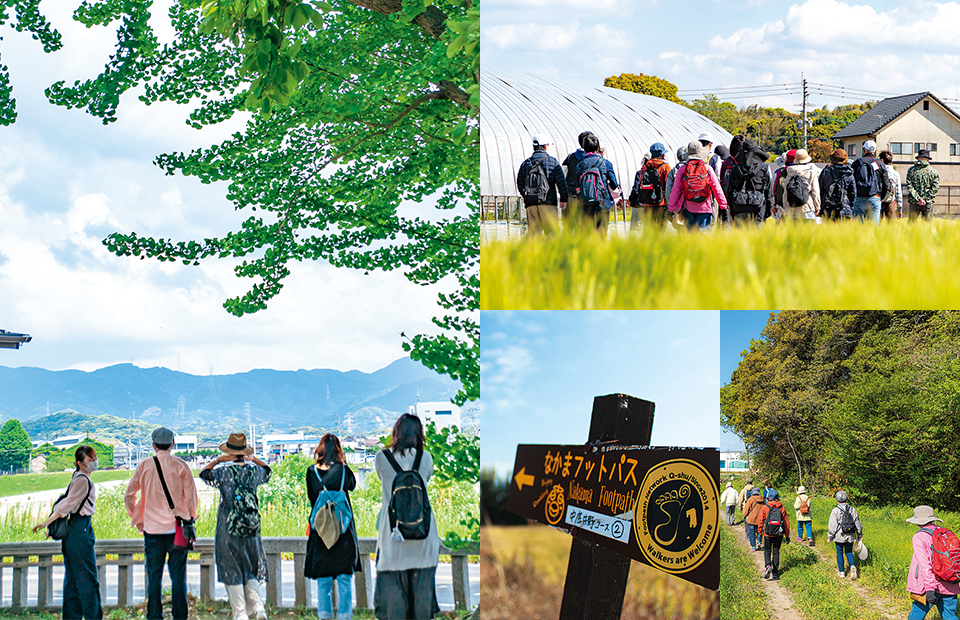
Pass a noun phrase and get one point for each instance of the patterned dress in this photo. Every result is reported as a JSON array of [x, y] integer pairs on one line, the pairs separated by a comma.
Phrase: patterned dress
[[238, 559]]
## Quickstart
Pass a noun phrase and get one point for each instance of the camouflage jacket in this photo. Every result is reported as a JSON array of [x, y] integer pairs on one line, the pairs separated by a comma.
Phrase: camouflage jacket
[[922, 182]]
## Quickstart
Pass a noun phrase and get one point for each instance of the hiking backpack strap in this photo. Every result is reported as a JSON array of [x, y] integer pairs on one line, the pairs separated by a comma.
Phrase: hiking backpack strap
[[163, 483]]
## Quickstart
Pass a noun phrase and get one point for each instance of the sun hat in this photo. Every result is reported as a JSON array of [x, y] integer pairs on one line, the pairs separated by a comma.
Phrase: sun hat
[[801, 489], [682, 154], [869, 146], [772, 494], [695, 150], [923, 515], [657, 149], [802, 157], [706, 137], [749, 480], [923, 153], [861, 550], [236, 444], [162, 436], [839, 156], [729, 484]]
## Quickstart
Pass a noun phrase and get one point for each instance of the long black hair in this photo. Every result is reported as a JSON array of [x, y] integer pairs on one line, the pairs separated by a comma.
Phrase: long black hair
[[407, 434]]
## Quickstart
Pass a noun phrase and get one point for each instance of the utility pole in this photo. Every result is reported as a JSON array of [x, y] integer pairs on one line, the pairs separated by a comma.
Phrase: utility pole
[[804, 110]]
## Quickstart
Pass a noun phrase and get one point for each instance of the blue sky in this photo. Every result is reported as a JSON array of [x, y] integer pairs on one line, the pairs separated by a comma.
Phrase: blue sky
[[540, 371], [67, 181], [897, 47], [737, 329]]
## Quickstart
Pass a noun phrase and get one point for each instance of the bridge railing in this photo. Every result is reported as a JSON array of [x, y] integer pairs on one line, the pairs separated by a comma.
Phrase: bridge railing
[[39, 556]]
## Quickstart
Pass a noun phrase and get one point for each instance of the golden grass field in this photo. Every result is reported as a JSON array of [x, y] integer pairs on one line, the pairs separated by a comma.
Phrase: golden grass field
[[898, 265], [523, 569]]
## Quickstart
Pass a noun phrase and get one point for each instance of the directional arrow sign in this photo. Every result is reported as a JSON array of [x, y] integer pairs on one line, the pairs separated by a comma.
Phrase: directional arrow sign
[[659, 506]]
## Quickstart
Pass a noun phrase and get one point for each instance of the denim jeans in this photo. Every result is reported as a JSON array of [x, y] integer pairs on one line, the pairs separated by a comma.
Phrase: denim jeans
[[731, 514], [845, 549], [868, 207], [946, 605], [752, 535], [344, 597], [700, 221], [159, 549], [800, 525], [81, 588]]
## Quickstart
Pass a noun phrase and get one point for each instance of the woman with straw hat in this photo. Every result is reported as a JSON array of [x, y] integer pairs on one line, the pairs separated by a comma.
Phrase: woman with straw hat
[[924, 587], [241, 561]]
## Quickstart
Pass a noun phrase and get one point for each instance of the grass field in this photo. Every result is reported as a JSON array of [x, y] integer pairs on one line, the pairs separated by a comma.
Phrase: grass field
[[523, 569], [831, 266], [741, 593], [32, 483]]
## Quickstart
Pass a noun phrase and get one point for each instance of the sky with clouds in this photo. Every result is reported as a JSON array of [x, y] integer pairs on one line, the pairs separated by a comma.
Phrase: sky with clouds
[[896, 47], [539, 373], [67, 181]]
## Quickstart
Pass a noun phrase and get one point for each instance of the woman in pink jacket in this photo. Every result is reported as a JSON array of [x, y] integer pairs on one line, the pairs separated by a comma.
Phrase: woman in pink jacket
[[695, 189], [922, 584]]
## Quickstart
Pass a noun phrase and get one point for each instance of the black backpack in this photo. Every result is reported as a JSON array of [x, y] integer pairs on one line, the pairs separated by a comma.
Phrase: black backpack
[[591, 185], [797, 193], [649, 190], [847, 524], [773, 524], [409, 507], [748, 198], [536, 185], [837, 199], [865, 176]]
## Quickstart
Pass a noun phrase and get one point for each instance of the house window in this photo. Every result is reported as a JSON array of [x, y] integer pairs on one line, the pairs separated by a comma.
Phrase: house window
[[926, 105], [955, 149], [851, 150], [930, 146], [902, 148]]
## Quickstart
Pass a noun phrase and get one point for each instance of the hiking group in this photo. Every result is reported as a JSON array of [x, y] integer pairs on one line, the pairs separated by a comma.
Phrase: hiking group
[[766, 520], [720, 184], [161, 500]]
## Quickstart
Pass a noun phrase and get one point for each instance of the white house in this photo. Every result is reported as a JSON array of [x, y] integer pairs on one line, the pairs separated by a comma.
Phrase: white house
[[441, 414], [734, 462]]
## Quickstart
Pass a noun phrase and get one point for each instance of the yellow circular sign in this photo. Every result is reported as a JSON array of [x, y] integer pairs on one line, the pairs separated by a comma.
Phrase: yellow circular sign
[[555, 504], [676, 515]]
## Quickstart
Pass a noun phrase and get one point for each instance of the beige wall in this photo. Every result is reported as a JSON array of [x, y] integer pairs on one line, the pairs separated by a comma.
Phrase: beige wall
[[918, 125]]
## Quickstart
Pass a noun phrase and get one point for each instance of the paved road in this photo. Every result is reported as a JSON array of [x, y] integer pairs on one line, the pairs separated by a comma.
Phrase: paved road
[[444, 585]]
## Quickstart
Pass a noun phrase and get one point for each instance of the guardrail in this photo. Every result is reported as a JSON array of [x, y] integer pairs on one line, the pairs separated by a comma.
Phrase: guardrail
[[120, 553]]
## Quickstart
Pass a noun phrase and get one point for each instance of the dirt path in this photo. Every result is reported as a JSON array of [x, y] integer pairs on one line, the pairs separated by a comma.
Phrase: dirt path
[[781, 602], [884, 606]]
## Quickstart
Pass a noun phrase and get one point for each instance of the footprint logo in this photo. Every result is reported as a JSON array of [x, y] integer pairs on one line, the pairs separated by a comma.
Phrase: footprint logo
[[672, 504], [555, 505]]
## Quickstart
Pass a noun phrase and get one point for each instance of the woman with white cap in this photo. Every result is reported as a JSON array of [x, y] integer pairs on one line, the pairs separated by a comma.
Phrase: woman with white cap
[[802, 506], [241, 561], [924, 587], [844, 529]]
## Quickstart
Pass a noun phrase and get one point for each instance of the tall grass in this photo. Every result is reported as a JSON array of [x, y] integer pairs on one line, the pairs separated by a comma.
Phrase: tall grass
[[21, 484], [523, 569], [899, 265]]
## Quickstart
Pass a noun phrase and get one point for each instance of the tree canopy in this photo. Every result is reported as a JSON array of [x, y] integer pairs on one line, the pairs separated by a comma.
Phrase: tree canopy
[[362, 108], [15, 446], [866, 401], [645, 85]]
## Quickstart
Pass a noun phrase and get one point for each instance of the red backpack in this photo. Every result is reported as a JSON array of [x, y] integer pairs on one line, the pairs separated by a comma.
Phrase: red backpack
[[946, 553], [696, 181]]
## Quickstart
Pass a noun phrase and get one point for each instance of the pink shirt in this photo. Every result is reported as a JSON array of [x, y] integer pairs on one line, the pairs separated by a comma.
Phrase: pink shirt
[[921, 578], [75, 494], [150, 512], [677, 201]]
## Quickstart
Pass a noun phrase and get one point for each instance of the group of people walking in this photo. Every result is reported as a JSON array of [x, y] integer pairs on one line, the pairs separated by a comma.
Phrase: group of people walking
[[720, 184], [161, 500], [934, 575]]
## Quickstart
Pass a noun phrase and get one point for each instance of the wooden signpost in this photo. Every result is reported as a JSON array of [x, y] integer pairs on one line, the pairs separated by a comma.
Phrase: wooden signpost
[[621, 499]]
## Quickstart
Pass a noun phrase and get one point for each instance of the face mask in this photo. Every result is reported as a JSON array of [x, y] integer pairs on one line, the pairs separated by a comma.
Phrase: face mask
[[91, 466]]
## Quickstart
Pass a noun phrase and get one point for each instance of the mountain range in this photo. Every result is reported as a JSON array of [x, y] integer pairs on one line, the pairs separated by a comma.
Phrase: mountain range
[[48, 402]]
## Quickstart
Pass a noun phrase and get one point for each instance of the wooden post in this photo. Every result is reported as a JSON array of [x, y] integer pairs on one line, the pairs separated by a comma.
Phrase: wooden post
[[597, 577]]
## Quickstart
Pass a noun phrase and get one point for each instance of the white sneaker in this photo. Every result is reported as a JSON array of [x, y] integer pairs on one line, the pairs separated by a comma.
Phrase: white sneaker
[[840, 574], [853, 573]]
